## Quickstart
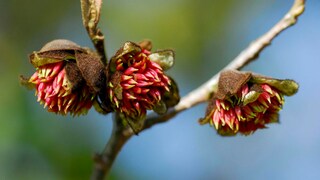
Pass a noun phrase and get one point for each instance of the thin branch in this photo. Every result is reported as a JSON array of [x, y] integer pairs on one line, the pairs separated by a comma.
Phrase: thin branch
[[90, 10], [104, 161], [202, 93]]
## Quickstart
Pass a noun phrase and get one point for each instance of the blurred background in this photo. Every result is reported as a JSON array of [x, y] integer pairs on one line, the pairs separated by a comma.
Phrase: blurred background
[[206, 35]]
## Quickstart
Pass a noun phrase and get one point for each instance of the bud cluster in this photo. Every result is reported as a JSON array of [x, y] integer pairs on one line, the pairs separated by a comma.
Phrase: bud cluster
[[246, 102], [70, 79], [137, 83]]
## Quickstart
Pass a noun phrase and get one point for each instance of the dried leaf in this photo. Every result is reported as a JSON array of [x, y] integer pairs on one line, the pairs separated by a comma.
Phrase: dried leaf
[[91, 69], [91, 14], [74, 76]]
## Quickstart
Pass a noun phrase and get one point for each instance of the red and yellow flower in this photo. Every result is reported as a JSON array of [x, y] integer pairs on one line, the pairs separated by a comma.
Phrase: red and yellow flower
[[59, 80], [246, 102], [138, 82]]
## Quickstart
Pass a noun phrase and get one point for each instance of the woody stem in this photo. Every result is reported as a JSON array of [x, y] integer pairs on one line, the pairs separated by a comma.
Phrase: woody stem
[[104, 160]]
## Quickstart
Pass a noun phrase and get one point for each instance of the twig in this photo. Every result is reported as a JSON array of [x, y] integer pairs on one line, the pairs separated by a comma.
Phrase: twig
[[90, 10], [104, 161], [202, 93]]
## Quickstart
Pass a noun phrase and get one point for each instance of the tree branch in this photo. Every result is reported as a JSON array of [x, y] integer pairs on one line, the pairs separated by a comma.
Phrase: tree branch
[[202, 93], [104, 161]]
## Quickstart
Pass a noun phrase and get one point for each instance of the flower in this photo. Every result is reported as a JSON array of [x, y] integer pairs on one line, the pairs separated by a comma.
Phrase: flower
[[138, 83], [54, 90], [62, 78], [246, 102]]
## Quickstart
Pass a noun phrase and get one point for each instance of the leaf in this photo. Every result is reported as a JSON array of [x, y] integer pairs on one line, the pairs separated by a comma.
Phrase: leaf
[[127, 48], [252, 96], [160, 108], [91, 69], [165, 58], [24, 81], [136, 124], [287, 87], [54, 51], [38, 61], [172, 97], [91, 14]]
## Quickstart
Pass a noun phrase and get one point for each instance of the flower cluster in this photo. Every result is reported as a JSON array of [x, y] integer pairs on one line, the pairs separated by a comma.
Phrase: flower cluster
[[246, 102], [71, 79], [60, 76], [138, 83]]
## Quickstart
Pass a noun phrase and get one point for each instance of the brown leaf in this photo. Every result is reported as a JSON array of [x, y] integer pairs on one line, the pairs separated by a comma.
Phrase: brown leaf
[[92, 70], [74, 75]]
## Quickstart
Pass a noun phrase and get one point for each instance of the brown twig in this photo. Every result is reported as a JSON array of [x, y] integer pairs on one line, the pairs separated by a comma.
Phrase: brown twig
[[90, 10], [120, 134]]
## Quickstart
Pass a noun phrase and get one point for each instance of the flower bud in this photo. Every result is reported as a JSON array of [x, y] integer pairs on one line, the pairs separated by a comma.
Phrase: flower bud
[[245, 102], [137, 82], [67, 77]]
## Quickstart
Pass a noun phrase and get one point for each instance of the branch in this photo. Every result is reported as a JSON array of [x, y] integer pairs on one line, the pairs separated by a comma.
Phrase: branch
[[104, 161], [202, 93], [90, 10]]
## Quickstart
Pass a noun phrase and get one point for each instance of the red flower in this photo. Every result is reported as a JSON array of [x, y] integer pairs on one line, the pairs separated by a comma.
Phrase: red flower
[[67, 77], [54, 90], [231, 116], [138, 83], [249, 104]]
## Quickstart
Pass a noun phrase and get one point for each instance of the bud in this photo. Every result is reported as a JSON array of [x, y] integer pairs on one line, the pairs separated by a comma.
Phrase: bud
[[67, 77], [137, 82], [245, 102]]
